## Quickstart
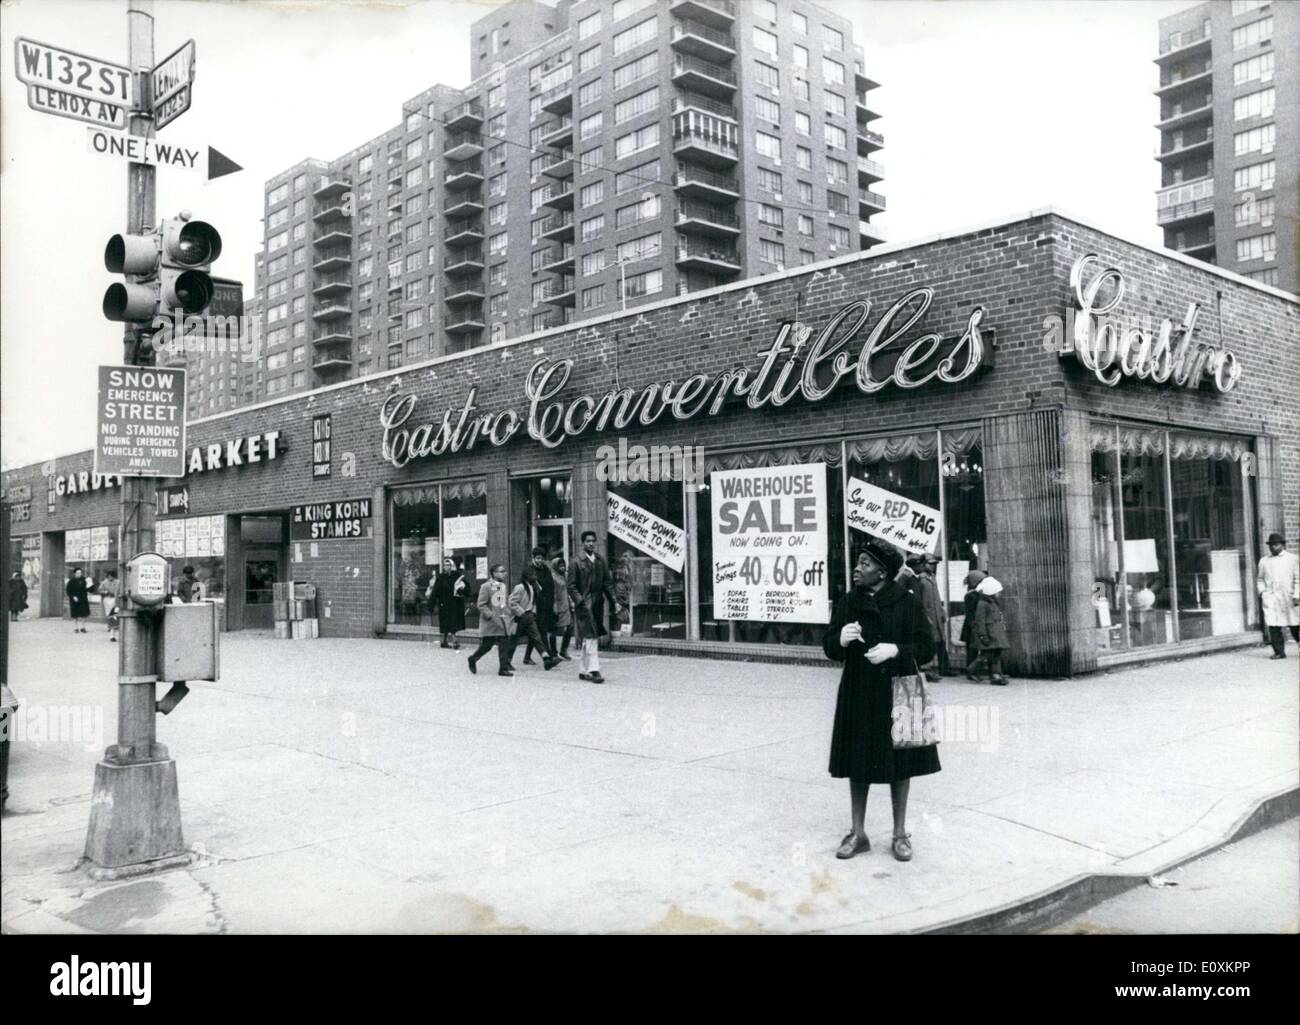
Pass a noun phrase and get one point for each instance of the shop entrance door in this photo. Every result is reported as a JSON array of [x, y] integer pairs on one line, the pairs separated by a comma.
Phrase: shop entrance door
[[551, 520], [264, 567]]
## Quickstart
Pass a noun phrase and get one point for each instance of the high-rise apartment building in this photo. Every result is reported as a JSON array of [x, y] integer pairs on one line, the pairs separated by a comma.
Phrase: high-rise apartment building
[[1230, 137], [607, 153]]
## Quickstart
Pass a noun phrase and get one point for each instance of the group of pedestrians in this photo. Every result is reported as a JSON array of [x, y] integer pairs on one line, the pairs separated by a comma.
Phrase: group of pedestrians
[[79, 589], [984, 628]]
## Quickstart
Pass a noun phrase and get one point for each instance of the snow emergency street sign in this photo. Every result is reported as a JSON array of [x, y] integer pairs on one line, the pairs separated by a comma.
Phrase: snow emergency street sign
[[72, 85], [141, 422]]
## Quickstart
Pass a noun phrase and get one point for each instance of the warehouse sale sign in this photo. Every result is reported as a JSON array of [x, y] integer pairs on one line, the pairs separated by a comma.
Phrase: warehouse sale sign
[[909, 526], [770, 529]]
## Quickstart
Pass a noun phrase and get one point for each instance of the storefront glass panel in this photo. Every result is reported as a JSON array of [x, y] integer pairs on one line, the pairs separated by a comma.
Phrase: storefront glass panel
[[25, 557], [965, 533], [92, 550], [200, 541], [428, 523], [652, 593]]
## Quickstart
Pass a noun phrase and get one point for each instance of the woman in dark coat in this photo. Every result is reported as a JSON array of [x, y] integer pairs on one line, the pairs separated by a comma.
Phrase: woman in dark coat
[[879, 631], [78, 602], [17, 595], [448, 592]]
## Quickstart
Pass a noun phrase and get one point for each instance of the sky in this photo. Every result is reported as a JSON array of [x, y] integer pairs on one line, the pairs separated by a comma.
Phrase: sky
[[989, 108]]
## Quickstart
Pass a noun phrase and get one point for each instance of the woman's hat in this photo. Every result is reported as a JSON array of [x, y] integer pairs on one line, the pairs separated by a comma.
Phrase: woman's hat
[[1276, 538], [974, 577], [884, 556], [989, 587]]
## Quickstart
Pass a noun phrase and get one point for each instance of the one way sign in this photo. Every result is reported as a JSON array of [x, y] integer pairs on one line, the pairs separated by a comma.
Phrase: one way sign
[[143, 150]]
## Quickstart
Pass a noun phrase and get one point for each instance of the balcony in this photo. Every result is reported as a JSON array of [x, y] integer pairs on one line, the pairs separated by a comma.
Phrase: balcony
[[559, 196], [700, 40], [1185, 202], [1200, 147], [1180, 116], [1169, 84], [334, 310], [870, 202], [558, 227], [869, 235], [470, 320], [708, 220], [468, 290], [560, 165], [332, 284], [869, 171], [463, 233], [560, 292], [869, 142], [864, 113], [338, 359], [558, 99], [462, 145], [717, 108], [559, 134], [335, 259], [336, 211], [862, 84], [705, 147], [463, 204], [703, 76], [559, 259], [394, 283], [693, 255], [468, 115], [463, 176], [1201, 249], [331, 188], [1178, 46], [339, 331], [715, 13], [338, 235], [699, 183], [463, 261]]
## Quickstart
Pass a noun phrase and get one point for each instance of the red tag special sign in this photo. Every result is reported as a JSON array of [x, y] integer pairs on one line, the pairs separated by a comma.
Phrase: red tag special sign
[[141, 422]]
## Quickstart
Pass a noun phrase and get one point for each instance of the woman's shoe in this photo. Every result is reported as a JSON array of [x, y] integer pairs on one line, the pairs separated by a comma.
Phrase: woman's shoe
[[444, 644], [852, 845], [999, 681], [903, 847]]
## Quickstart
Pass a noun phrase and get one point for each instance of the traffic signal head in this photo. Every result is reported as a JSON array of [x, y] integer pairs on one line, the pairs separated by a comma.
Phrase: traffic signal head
[[169, 268], [189, 243]]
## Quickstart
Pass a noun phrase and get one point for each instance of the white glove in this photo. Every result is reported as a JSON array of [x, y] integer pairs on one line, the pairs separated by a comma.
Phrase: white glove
[[849, 633], [882, 652]]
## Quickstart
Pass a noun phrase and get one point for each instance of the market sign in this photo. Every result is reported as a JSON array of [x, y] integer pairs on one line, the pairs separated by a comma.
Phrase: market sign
[[254, 448], [331, 521], [770, 530], [141, 429], [906, 524], [647, 532], [1113, 348], [794, 365]]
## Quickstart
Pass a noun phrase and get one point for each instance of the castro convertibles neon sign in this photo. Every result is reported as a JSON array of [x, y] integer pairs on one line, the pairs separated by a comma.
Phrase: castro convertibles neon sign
[[1112, 350], [790, 368]]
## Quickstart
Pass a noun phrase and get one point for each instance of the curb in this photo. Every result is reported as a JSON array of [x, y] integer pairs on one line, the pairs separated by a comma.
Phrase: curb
[[1063, 902]]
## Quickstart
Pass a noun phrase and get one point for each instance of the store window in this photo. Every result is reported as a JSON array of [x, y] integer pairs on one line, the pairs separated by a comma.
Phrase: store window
[[646, 550], [94, 552], [428, 523], [198, 541]]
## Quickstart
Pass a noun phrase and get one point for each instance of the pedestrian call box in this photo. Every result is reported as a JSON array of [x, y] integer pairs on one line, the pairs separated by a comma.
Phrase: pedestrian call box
[[148, 579], [189, 645]]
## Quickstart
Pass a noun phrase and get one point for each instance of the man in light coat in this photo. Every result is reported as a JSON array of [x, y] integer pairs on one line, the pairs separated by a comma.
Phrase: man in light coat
[[496, 624], [590, 584], [1278, 584]]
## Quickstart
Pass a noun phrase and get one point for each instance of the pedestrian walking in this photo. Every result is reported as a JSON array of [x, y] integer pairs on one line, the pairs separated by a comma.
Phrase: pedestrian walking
[[109, 590], [448, 594], [544, 608], [525, 602], [17, 595], [78, 600], [879, 631], [590, 584], [185, 587], [562, 621], [989, 632], [969, 603], [925, 587], [495, 625], [1278, 584]]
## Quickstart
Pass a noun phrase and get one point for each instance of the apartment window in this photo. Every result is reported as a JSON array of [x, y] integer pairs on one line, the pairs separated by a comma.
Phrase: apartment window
[[634, 36], [593, 264], [414, 232], [765, 9], [836, 202], [805, 193], [589, 59], [644, 248], [540, 258], [414, 177], [497, 244], [415, 148], [414, 289], [395, 268], [538, 196], [769, 215], [636, 70], [1243, 6], [591, 194], [592, 228], [299, 304], [648, 283], [300, 329], [413, 347], [496, 96], [276, 336], [765, 41], [415, 204], [496, 214], [277, 361], [642, 138], [589, 25], [593, 297], [276, 289], [832, 71], [277, 241], [278, 194], [277, 266], [799, 22], [497, 154], [299, 232], [1253, 211], [806, 256], [802, 91], [590, 160], [837, 170], [1255, 32], [276, 386], [497, 305], [835, 104], [1267, 276], [277, 313], [366, 163], [803, 158], [767, 145], [1256, 104], [771, 252], [300, 279], [769, 180], [768, 110], [1253, 68], [641, 103], [1254, 140], [802, 123], [834, 38], [496, 127], [767, 75], [800, 56], [1257, 247], [589, 92], [497, 275], [1255, 176], [635, 213], [636, 177], [299, 207], [414, 319], [535, 108], [805, 225], [621, 9], [278, 217], [497, 185], [835, 136], [414, 262], [839, 236], [591, 125]]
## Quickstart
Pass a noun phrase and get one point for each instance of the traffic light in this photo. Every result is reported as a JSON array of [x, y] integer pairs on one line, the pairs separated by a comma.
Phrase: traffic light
[[167, 271]]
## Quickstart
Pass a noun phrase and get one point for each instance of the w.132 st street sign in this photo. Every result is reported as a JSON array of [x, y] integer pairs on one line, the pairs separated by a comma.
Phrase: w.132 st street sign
[[73, 85]]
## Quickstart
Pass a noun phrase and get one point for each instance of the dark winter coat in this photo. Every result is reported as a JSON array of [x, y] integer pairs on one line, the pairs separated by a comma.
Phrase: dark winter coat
[[17, 594], [971, 603], [545, 600], [926, 588], [862, 747], [78, 602], [989, 631], [451, 606], [590, 583]]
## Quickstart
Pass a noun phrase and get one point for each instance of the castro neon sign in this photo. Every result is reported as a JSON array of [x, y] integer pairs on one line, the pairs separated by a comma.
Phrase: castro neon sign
[[790, 368], [1112, 350]]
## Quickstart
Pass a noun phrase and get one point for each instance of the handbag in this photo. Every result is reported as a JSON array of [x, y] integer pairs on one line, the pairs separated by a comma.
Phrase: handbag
[[913, 719]]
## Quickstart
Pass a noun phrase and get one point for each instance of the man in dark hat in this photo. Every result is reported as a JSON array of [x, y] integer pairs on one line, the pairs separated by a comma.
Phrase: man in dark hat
[[926, 587], [185, 589], [1278, 584]]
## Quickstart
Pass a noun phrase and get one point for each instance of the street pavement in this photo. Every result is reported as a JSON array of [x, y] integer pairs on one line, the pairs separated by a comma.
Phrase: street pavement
[[340, 786]]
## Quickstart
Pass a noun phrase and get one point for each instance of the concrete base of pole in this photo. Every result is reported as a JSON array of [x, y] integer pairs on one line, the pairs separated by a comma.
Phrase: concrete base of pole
[[135, 814]]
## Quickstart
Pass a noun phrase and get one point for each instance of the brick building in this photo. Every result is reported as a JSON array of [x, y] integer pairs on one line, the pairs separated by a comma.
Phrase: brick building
[[966, 381]]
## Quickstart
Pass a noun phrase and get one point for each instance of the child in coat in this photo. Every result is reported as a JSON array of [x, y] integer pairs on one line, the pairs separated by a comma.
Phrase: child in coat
[[989, 632]]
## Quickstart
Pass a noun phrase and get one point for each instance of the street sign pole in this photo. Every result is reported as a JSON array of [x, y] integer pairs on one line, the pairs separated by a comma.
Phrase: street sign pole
[[135, 816]]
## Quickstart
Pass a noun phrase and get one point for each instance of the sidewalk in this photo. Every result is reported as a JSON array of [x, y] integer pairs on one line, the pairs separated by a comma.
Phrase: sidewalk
[[376, 786]]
